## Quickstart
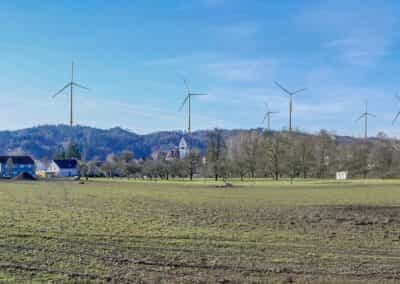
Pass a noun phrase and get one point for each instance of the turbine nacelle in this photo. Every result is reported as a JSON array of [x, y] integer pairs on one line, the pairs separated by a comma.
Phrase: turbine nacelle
[[287, 91]]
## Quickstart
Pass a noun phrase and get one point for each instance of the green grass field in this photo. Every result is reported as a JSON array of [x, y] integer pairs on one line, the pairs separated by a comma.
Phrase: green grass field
[[151, 232]]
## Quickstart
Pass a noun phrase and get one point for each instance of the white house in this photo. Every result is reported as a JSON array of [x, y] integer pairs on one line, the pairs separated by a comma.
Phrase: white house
[[183, 149], [63, 168]]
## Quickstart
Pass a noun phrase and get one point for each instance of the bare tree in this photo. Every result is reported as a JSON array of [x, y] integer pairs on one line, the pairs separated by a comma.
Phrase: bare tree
[[236, 156], [324, 151], [277, 153], [216, 153], [252, 144]]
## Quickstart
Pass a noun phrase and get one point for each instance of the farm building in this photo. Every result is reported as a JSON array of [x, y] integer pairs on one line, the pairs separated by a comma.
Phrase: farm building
[[12, 166], [159, 155], [63, 168], [172, 155]]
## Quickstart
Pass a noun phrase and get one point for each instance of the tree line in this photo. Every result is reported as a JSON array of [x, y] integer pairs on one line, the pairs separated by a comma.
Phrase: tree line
[[297, 155], [253, 154]]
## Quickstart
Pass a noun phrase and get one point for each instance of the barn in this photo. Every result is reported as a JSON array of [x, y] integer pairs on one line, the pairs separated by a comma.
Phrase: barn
[[12, 166]]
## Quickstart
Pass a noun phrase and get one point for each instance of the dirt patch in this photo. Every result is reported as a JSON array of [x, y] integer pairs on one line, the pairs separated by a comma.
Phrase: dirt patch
[[24, 176], [363, 215]]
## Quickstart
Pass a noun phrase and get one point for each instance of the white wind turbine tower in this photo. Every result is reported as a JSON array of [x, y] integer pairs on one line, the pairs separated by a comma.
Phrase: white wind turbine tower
[[290, 94], [71, 86], [365, 115], [188, 100], [267, 117]]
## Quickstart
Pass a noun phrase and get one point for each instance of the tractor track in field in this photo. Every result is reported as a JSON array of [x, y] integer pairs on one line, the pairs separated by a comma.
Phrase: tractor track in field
[[23, 267], [118, 279], [113, 246], [121, 261]]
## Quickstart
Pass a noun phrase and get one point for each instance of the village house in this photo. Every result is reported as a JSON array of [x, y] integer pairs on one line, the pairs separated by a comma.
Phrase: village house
[[172, 155], [12, 166], [159, 155], [176, 153], [63, 168]]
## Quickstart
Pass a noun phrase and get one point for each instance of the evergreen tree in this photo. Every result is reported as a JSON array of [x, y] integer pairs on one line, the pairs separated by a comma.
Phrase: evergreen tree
[[72, 151], [59, 154]]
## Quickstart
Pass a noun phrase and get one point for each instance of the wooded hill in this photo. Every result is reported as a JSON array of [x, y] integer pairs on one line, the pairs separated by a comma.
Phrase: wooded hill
[[43, 141]]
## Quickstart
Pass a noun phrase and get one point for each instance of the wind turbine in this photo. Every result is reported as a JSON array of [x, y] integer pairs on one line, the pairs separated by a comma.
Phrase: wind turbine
[[188, 99], [365, 116], [398, 113], [71, 86], [267, 117], [291, 94]]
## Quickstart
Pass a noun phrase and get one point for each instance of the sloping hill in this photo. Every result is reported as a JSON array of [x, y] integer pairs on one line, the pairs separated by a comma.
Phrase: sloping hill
[[42, 141]]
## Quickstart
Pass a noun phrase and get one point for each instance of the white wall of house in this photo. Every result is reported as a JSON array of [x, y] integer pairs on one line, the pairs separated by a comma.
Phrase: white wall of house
[[68, 173], [55, 170]]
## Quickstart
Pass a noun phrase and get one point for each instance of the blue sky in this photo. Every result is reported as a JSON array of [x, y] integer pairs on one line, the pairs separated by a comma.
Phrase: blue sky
[[132, 55]]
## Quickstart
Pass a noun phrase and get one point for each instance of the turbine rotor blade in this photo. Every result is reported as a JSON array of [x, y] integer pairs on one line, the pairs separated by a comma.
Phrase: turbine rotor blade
[[80, 86], [283, 88], [361, 116], [60, 91], [395, 118], [184, 102], [298, 91], [186, 85], [265, 117], [193, 94]]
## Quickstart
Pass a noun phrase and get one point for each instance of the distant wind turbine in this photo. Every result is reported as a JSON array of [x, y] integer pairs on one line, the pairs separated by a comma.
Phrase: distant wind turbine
[[267, 117], [71, 85], [398, 113], [365, 115], [290, 94], [188, 100]]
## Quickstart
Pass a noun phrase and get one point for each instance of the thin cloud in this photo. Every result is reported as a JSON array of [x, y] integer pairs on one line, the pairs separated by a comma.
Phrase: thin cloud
[[360, 50], [251, 70], [361, 34]]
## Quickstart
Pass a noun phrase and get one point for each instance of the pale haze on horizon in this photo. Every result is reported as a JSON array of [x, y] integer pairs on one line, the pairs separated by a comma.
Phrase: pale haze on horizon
[[132, 57]]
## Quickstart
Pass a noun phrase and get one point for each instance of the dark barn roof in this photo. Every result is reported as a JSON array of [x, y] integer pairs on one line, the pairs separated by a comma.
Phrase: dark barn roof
[[66, 164], [21, 160]]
